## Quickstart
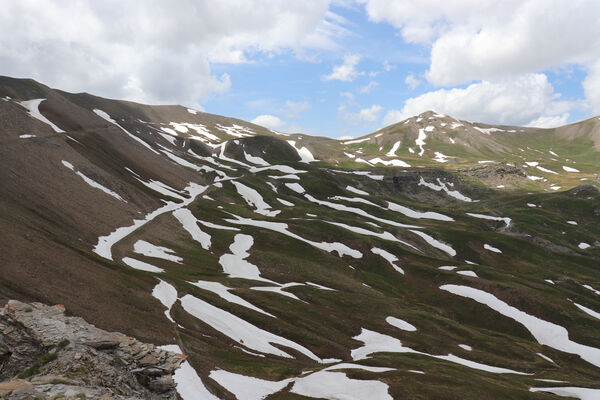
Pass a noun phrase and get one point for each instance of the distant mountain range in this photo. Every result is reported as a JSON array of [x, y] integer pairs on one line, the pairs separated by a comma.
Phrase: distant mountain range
[[433, 259]]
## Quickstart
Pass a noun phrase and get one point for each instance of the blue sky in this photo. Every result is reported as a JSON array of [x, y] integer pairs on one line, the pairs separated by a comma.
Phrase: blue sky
[[322, 67]]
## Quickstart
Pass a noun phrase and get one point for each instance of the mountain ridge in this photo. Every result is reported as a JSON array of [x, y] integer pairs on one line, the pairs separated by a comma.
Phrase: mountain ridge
[[279, 261]]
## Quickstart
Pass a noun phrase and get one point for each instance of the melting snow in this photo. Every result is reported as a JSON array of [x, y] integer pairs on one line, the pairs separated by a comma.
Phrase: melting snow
[[389, 257], [393, 150], [588, 311], [189, 385], [356, 141], [394, 163], [546, 170], [506, 220], [254, 199], [491, 248], [304, 153], [356, 191], [442, 186], [400, 324], [167, 295], [376, 343], [421, 141], [572, 222], [487, 131], [236, 130], [417, 214], [544, 332], [235, 265], [92, 182], [142, 266], [255, 160], [32, 107], [107, 117], [150, 250], [282, 228], [285, 202], [296, 187], [105, 243], [571, 391], [569, 169], [224, 292], [27, 136], [583, 246], [435, 243], [189, 223], [241, 331], [441, 158], [354, 210], [545, 357], [465, 347], [447, 267], [472, 274]]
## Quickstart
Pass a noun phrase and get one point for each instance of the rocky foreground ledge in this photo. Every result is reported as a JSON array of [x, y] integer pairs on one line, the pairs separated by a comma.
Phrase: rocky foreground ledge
[[47, 355]]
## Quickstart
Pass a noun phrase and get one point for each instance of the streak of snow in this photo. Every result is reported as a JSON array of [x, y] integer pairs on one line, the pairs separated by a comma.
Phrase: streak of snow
[[304, 153], [255, 160], [569, 169], [394, 149], [491, 248], [282, 228], [167, 295], [506, 220], [189, 223], [254, 199], [570, 391], [188, 384], [296, 187], [356, 191], [389, 257], [544, 332], [400, 324], [33, 110], [442, 186], [235, 265], [150, 250], [421, 141], [92, 182], [241, 331], [588, 311], [105, 243], [435, 243], [224, 292], [107, 117], [418, 214], [142, 266], [356, 141], [393, 163]]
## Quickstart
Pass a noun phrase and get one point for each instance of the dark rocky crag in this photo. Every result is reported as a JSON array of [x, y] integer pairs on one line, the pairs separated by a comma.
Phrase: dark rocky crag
[[45, 354]]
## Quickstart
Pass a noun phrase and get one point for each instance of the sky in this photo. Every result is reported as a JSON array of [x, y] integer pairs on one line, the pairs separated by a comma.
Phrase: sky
[[335, 68]]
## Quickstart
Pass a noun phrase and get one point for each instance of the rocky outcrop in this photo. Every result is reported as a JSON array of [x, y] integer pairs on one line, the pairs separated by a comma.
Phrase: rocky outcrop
[[45, 354]]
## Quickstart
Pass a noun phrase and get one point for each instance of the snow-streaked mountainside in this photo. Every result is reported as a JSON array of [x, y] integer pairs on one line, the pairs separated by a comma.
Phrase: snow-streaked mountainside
[[433, 259]]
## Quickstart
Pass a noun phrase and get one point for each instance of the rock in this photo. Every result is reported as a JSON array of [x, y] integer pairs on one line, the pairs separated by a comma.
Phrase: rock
[[66, 356]]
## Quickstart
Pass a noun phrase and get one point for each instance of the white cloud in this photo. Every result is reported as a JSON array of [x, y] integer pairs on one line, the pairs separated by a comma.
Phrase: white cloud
[[549, 122], [154, 51], [473, 40], [269, 121], [345, 72], [293, 109], [370, 114], [411, 81], [591, 87], [368, 87], [518, 101]]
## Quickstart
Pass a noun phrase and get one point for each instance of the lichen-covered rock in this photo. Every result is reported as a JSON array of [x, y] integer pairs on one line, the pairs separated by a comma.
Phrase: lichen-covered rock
[[45, 354]]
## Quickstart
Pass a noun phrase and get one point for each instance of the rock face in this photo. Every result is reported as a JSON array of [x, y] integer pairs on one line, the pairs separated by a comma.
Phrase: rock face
[[46, 355]]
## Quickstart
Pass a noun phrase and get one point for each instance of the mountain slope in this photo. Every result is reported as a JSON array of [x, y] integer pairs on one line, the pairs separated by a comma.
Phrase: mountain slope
[[285, 266]]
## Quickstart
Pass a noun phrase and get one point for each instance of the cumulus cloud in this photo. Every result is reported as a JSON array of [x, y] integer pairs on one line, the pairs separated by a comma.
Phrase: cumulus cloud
[[153, 51], [370, 114], [411, 81], [523, 100], [345, 72], [549, 122], [368, 87], [269, 121], [489, 40], [591, 87], [293, 109]]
